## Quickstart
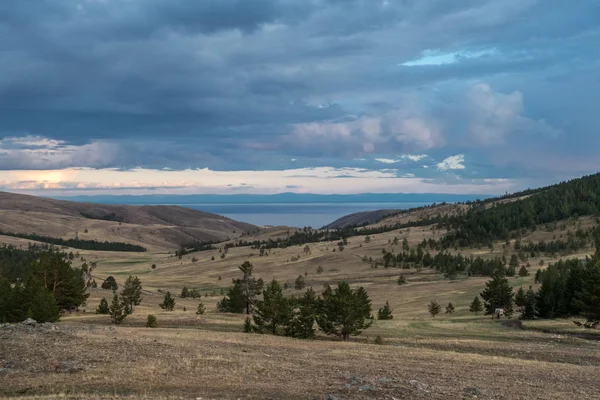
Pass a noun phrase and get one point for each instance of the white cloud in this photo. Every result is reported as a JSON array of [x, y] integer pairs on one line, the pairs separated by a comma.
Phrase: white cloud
[[414, 157], [452, 163], [387, 160], [493, 116]]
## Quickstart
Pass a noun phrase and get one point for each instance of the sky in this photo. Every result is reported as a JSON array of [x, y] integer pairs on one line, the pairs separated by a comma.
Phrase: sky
[[306, 96]]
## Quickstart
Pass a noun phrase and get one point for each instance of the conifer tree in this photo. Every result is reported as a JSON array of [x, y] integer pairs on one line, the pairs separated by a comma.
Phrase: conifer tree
[[168, 303], [434, 308], [401, 280], [110, 284], [299, 284], [234, 301], [450, 308], [528, 310], [272, 314], [42, 305], [184, 292], [302, 325], [520, 300], [200, 310], [385, 313], [523, 271], [344, 311], [476, 305], [132, 292], [247, 325], [117, 310], [151, 321], [498, 294], [103, 307]]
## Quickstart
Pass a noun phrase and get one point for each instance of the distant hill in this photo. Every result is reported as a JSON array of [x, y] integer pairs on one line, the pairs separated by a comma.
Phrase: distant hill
[[160, 226]]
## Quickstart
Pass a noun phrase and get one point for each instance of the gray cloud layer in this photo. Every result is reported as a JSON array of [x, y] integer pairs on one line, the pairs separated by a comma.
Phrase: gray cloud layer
[[252, 83]]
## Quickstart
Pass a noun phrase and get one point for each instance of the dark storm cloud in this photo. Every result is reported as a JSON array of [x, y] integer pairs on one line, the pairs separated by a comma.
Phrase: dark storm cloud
[[248, 83]]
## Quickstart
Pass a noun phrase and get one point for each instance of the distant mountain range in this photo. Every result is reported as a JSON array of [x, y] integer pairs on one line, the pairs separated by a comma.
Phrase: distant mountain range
[[290, 198]]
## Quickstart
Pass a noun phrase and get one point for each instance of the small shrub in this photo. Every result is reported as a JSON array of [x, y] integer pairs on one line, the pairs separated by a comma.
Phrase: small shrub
[[151, 321], [247, 325], [378, 340]]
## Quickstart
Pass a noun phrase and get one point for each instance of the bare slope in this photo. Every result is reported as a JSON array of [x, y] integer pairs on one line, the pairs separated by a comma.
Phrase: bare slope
[[158, 226]]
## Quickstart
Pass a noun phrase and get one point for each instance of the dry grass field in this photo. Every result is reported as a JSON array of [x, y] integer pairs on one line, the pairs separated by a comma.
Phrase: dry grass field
[[188, 356]]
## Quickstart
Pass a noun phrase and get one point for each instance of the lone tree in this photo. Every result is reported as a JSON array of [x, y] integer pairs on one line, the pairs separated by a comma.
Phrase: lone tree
[[401, 280], [132, 292], [185, 292], [450, 308], [498, 294], [200, 310], [299, 284], [151, 321], [168, 303], [434, 308], [344, 311], [476, 305], [103, 307], [274, 312], [110, 284], [385, 312], [117, 310]]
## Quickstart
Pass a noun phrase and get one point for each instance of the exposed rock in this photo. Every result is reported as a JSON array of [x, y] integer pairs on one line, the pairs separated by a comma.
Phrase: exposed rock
[[472, 391], [385, 380], [420, 386], [29, 322], [68, 367], [366, 388], [4, 371], [354, 380]]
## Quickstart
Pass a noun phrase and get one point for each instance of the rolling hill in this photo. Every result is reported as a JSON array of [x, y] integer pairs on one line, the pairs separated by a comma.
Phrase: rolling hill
[[150, 226]]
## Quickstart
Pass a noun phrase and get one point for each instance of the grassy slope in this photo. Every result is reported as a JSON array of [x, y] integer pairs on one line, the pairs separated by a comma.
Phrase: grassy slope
[[189, 355]]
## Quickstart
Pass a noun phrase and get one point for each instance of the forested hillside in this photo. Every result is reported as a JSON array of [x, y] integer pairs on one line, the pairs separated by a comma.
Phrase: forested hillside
[[503, 221]]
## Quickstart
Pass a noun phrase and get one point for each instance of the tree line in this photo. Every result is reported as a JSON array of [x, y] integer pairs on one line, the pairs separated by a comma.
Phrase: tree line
[[79, 243]]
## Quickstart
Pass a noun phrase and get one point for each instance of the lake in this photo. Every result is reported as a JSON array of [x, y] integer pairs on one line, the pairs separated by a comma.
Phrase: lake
[[315, 215]]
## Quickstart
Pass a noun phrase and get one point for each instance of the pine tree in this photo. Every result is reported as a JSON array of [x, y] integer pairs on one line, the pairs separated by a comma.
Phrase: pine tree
[[523, 271], [434, 308], [528, 310], [42, 306], [103, 307], [110, 284], [302, 325], [498, 294], [151, 321], [385, 312], [200, 310], [450, 308], [247, 325], [343, 311], [117, 310], [132, 292], [299, 284], [184, 292], [168, 303], [274, 312], [520, 300], [401, 280], [234, 301], [476, 305]]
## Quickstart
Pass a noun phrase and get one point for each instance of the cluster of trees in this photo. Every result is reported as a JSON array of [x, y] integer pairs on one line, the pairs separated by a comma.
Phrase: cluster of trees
[[192, 294], [340, 311], [46, 286], [15, 261], [79, 243], [575, 241], [568, 288], [122, 304], [449, 264]]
